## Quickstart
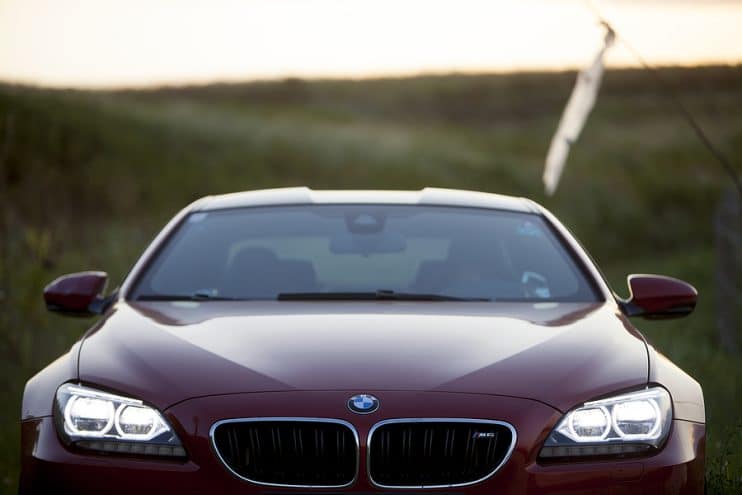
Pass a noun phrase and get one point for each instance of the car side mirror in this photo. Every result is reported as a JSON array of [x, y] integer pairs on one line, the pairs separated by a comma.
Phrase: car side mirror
[[77, 294], [657, 297]]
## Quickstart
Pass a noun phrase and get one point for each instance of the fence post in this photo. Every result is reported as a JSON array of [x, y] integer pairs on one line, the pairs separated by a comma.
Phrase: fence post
[[728, 236]]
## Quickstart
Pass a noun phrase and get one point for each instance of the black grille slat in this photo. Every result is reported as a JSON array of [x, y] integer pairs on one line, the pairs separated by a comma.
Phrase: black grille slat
[[436, 453], [291, 452]]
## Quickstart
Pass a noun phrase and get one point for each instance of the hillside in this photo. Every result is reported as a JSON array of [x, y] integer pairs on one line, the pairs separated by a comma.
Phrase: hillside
[[89, 177]]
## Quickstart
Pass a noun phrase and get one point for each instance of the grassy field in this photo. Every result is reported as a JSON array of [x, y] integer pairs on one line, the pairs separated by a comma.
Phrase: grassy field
[[89, 177]]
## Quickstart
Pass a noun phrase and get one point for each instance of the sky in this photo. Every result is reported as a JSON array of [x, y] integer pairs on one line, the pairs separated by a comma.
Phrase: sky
[[117, 43]]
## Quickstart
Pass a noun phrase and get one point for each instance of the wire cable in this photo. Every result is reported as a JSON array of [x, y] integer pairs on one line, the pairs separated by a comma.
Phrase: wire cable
[[672, 94]]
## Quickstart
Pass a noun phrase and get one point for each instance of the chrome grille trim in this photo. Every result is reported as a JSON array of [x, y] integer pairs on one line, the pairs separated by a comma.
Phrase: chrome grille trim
[[286, 419], [505, 459]]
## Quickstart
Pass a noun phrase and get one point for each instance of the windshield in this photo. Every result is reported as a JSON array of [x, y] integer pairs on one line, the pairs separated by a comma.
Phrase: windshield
[[364, 251]]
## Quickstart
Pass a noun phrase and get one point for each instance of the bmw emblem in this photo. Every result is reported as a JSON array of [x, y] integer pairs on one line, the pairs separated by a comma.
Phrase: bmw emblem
[[363, 404]]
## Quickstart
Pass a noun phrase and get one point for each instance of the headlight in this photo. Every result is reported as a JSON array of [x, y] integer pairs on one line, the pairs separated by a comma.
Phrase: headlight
[[623, 425], [96, 420]]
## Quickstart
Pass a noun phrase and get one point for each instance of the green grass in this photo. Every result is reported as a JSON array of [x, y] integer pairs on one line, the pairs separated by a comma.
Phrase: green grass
[[89, 177]]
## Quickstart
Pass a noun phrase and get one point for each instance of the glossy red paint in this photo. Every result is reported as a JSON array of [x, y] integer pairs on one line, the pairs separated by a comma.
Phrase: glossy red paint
[[523, 363], [75, 293], [686, 393], [677, 469], [514, 349], [656, 296], [305, 348]]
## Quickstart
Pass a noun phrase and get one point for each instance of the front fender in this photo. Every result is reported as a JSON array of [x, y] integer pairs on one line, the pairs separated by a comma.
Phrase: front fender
[[38, 396], [687, 395]]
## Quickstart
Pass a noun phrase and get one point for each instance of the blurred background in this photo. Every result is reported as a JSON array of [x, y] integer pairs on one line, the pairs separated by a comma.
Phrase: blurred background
[[115, 114]]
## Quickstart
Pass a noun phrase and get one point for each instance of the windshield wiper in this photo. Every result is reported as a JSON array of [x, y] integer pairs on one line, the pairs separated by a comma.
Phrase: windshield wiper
[[196, 296], [379, 295]]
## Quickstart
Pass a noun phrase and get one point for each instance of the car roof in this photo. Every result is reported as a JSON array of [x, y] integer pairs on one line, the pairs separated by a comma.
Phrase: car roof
[[304, 196]]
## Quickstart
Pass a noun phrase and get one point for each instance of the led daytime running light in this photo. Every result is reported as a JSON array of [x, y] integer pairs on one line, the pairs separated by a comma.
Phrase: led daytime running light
[[626, 424], [97, 420]]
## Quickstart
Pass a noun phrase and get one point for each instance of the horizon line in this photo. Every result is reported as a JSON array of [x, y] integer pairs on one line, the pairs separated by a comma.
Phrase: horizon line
[[392, 75]]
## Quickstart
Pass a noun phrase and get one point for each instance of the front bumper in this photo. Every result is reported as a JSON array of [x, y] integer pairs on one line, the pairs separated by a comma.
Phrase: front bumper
[[50, 467]]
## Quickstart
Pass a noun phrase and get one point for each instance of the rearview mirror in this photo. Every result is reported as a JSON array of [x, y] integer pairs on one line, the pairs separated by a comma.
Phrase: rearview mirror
[[366, 244], [77, 293], [656, 297]]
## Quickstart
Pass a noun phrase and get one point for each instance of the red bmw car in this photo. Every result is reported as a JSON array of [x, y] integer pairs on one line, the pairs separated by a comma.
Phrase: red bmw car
[[319, 342]]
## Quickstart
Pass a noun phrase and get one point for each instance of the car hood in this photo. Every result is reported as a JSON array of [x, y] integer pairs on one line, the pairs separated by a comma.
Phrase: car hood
[[557, 353]]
